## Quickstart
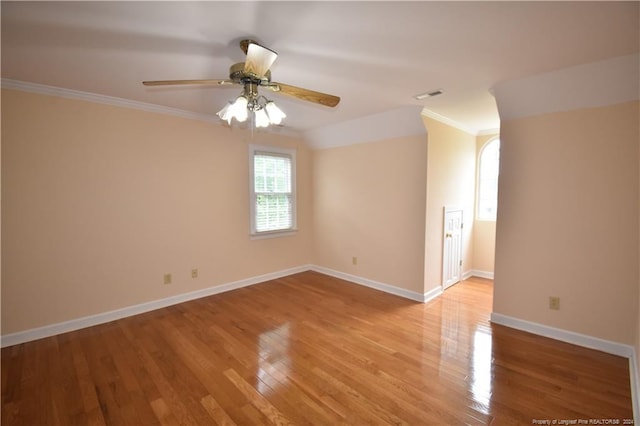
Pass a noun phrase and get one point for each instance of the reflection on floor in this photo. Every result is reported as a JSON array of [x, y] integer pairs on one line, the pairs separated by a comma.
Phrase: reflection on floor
[[311, 349]]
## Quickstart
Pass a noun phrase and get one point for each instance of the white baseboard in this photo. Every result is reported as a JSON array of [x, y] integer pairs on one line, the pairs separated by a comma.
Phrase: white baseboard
[[531, 327], [583, 340], [634, 376], [104, 317], [477, 273], [432, 294], [387, 288], [586, 341], [89, 321]]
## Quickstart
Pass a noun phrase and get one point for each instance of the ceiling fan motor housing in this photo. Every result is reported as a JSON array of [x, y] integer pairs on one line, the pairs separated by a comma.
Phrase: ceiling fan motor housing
[[239, 76]]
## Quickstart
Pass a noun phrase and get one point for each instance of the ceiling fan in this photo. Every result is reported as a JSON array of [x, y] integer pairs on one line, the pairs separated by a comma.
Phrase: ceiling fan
[[251, 74]]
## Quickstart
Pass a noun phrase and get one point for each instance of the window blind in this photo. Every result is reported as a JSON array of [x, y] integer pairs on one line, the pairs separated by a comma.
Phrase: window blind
[[272, 187]]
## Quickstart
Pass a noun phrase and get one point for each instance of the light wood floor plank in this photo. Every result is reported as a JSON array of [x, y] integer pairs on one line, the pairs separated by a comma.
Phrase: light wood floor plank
[[216, 412], [311, 349]]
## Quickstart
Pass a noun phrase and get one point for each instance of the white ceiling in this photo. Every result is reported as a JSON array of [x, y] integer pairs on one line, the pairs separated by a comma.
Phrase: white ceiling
[[375, 55]]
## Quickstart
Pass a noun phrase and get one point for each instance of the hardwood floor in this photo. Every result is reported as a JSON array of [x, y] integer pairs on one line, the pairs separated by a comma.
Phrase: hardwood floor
[[311, 349]]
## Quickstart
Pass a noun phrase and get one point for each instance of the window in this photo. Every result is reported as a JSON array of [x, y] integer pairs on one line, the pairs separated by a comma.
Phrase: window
[[489, 168], [273, 200]]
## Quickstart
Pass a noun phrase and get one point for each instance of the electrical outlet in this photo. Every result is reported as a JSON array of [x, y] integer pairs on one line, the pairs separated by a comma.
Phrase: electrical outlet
[[194, 273], [554, 303], [354, 260], [167, 278]]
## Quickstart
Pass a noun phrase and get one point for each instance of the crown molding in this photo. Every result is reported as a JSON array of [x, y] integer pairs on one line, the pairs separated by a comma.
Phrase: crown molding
[[62, 92], [449, 122], [487, 132], [43, 89]]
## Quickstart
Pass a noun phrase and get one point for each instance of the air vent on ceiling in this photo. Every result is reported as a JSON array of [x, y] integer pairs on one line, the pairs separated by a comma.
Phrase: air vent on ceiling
[[430, 94]]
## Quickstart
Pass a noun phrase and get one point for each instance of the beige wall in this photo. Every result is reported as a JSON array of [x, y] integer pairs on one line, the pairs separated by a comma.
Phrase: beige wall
[[637, 383], [369, 203], [451, 174], [568, 221], [484, 231], [484, 246], [101, 201]]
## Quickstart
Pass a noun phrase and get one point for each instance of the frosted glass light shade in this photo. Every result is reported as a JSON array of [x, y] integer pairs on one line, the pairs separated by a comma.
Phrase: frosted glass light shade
[[239, 109], [275, 114], [225, 113], [262, 120]]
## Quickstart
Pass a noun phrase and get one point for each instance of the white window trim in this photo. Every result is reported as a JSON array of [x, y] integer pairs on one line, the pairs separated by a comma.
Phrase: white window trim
[[480, 218], [254, 235]]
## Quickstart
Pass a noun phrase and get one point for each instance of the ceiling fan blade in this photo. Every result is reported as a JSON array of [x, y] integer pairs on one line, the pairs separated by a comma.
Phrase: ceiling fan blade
[[259, 60], [176, 82], [305, 94]]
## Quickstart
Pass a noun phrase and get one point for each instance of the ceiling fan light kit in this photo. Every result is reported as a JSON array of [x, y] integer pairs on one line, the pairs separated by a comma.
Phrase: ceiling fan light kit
[[265, 112], [251, 74]]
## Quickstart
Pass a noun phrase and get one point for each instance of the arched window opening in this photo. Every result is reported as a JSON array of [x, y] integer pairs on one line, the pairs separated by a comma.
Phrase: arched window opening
[[489, 167]]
